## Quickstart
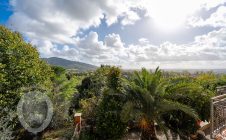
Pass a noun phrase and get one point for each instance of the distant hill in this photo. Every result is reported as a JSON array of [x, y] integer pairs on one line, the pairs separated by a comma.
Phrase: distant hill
[[68, 64]]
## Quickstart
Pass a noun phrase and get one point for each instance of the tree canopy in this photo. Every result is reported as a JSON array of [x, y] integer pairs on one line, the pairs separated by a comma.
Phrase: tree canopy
[[20, 67]]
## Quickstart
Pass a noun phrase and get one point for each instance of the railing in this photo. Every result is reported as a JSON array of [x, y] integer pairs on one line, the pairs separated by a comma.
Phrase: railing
[[221, 90], [218, 115]]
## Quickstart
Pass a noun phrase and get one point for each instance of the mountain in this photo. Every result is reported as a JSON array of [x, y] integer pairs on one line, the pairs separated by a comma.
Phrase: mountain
[[68, 64]]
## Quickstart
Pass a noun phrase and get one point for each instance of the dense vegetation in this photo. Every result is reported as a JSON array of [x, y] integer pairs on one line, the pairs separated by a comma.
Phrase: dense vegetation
[[20, 67], [112, 102]]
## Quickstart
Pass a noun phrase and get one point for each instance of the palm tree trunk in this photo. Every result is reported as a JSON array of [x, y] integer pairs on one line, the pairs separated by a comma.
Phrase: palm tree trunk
[[149, 133]]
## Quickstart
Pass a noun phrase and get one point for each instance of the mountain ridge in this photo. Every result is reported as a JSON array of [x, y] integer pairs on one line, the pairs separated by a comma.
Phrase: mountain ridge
[[69, 64]]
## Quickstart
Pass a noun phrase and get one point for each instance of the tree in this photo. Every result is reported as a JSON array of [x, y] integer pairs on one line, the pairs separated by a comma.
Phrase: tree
[[147, 102], [100, 100], [187, 91], [207, 80], [109, 124], [93, 85], [1, 74], [20, 67], [221, 81], [63, 89]]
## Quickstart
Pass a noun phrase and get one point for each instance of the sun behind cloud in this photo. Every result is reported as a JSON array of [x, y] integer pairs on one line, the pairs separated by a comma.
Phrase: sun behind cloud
[[97, 31], [170, 15]]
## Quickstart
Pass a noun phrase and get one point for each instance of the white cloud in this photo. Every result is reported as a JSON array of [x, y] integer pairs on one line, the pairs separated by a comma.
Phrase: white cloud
[[114, 41], [130, 18], [207, 51], [59, 20], [213, 3], [53, 25], [172, 14], [48, 49], [216, 19]]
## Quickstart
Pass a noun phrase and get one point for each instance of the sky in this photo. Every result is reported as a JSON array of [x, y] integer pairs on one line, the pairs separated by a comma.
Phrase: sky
[[175, 34]]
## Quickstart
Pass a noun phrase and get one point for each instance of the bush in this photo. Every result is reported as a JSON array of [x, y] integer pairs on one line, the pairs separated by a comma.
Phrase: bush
[[61, 96], [20, 67], [108, 120], [6, 124]]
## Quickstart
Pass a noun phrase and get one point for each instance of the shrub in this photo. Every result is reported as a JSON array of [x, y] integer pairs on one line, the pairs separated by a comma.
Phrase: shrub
[[108, 120]]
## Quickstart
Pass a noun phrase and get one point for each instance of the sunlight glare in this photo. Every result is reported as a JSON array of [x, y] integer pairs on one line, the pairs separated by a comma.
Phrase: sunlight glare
[[169, 15]]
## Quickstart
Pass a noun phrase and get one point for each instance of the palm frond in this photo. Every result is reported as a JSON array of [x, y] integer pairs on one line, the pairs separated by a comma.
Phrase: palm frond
[[161, 88], [167, 105], [141, 94], [126, 111], [129, 111]]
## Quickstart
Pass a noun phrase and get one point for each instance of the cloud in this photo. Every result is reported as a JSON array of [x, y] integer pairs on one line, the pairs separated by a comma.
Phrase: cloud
[[130, 18], [59, 21], [211, 4], [53, 27], [206, 51], [216, 19]]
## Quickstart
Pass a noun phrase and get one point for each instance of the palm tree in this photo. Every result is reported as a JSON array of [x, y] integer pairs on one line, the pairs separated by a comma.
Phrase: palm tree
[[147, 102]]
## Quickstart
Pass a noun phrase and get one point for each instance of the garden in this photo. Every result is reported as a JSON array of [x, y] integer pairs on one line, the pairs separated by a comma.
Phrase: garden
[[113, 102]]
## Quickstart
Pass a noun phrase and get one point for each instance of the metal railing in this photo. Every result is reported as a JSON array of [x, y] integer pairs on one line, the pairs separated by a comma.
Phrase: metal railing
[[221, 90], [218, 115]]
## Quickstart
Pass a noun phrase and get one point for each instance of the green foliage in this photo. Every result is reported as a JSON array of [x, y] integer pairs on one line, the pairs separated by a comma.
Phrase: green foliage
[[148, 102], [58, 70], [20, 67], [207, 80], [108, 121], [114, 79], [62, 85], [104, 96], [88, 107], [193, 92], [84, 135], [1, 74], [100, 100], [91, 86], [6, 125], [221, 81], [63, 89]]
